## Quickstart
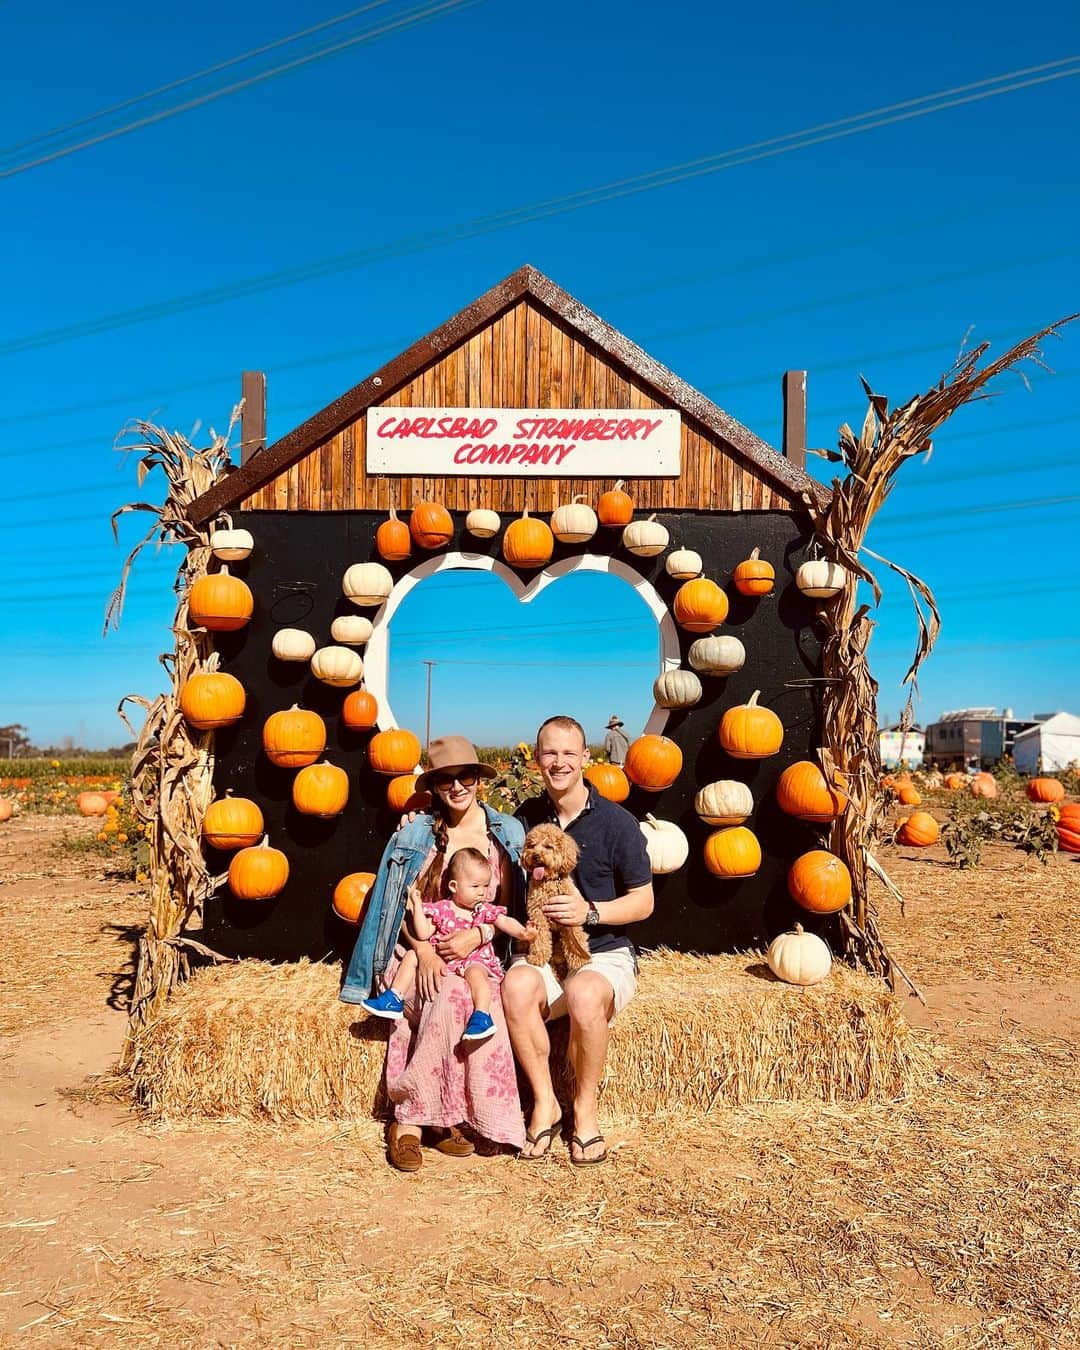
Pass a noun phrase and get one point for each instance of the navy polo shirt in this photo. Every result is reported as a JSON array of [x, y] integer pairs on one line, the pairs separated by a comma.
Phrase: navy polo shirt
[[612, 858]]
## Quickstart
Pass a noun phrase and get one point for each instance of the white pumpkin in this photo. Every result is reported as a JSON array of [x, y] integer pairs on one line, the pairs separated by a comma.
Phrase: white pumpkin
[[293, 644], [645, 538], [716, 655], [352, 629], [677, 689], [820, 578], [799, 957], [574, 523], [684, 564], [725, 802], [337, 666], [367, 583], [483, 523], [231, 545], [668, 848]]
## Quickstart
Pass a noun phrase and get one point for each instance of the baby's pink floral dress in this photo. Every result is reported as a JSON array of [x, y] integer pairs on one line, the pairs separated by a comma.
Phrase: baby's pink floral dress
[[448, 919]]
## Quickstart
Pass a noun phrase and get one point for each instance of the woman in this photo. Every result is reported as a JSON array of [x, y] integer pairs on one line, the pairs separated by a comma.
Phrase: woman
[[431, 1078]]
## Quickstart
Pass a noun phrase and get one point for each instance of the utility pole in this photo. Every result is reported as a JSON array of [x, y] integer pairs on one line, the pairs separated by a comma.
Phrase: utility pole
[[427, 725]]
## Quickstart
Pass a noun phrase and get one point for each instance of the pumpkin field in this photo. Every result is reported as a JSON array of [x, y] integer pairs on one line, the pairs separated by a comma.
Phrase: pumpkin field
[[944, 1218]]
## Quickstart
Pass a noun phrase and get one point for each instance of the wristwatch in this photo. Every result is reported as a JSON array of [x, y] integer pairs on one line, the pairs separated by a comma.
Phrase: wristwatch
[[592, 918]]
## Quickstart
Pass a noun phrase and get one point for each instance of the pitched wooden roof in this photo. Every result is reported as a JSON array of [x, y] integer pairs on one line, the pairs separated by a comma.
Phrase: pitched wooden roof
[[526, 282]]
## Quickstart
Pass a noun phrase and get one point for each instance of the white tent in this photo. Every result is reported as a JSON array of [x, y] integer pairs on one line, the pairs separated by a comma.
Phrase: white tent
[[1050, 746]]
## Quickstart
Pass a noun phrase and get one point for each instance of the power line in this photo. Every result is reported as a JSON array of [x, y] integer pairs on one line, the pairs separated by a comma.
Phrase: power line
[[874, 119]]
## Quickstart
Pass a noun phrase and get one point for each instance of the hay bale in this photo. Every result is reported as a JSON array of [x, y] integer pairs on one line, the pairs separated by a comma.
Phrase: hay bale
[[257, 1040]]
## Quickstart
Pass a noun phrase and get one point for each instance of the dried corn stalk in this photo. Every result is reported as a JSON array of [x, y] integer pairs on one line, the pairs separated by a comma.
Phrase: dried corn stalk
[[849, 701], [172, 767]]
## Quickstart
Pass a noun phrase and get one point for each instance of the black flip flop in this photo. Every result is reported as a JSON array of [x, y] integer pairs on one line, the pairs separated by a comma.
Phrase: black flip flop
[[583, 1144], [548, 1134]]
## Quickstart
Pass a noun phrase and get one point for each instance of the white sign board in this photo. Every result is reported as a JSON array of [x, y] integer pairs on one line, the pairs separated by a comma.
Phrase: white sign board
[[524, 442]]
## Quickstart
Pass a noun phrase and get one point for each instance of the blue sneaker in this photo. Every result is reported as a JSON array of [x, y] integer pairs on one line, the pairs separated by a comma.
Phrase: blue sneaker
[[479, 1028], [387, 1004]]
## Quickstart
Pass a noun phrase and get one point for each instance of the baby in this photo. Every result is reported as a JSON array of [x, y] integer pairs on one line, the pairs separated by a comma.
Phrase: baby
[[467, 881]]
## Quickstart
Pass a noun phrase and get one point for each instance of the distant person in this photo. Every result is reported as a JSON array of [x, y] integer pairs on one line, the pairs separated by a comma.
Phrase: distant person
[[616, 743]]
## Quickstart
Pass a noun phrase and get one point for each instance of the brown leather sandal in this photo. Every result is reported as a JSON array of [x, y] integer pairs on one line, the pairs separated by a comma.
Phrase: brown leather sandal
[[403, 1152], [455, 1145]]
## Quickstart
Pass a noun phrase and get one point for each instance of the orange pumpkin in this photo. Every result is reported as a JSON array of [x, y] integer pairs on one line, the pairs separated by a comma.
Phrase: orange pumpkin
[[394, 752], [615, 506], [820, 882], [92, 803], [220, 602], [750, 732], [653, 762], [700, 605], [360, 710], [392, 539], [920, 830], [1069, 828], [350, 895], [232, 822], [401, 794], [984, 785], [430, 525], [321, 790], [804, 792], [6, 809], [609, 780], [733, 853], [212, 699], [294, 737], [955, 781], [754, 576], [1045, 790], [258, 873], [528, 542], [909, 794]]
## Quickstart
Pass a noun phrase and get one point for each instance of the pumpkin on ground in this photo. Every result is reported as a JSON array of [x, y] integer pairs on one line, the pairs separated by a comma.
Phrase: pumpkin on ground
[[394, 752], [799, 957], [717, 655], [528, 542], [212, 699], [1068, 828], [700, 605], [653, 762], [1045, 790], [920, 830], [360, 710], [615, 506], [7, 809], [725, 802], [294, 737], [677, 689], [350, 895], [956, 781], [645, 538], [401, 794], [482, 523], [232, 822], [804, 792], [219, 602], [339, 667], [367, 584], [230, 545], [733, 853], [293, 644], [821, 579], [392, 539], [258, 873], [321, 790], [431, 525], [820, 882], [908, 794], [983, 785], [749, 732], [609, 780], [754, 576], [92, 803], [575, 522], [668, 848], [352, 629], [684, 564]]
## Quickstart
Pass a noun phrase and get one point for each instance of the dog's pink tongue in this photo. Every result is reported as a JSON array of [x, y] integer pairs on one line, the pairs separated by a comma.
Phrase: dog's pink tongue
[[538, 873]]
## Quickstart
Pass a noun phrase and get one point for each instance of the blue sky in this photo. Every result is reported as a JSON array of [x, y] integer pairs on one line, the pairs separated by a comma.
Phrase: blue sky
[[873, 253]]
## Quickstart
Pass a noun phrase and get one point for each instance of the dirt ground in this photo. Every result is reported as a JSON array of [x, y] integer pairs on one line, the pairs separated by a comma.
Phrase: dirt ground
[[945, 1221]]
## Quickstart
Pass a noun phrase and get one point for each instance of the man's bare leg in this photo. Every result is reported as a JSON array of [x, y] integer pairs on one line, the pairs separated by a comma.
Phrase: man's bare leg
[[590, 1002], [525, 1005]]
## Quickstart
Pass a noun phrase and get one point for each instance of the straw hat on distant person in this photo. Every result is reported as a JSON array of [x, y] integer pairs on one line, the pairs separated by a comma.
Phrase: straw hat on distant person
[[614, 721]]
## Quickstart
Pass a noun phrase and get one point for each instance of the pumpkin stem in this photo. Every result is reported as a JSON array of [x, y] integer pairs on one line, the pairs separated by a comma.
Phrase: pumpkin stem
[[265, 841], [751, 702], [651, 518], [650, 818], [618, 485], [393, 513], [799, 929], [755, 555], [579, 497], [226, 518]]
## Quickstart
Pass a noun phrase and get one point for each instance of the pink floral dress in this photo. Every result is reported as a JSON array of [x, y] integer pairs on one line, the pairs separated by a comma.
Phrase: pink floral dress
[[448, 919], [432, 1078]]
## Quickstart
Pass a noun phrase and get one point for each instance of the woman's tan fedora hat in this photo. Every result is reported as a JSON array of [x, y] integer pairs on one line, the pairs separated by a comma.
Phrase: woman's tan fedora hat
[[452, 752]]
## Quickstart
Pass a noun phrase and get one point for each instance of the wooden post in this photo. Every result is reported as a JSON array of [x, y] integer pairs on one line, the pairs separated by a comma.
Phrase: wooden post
[[794, 386], [253, 416]]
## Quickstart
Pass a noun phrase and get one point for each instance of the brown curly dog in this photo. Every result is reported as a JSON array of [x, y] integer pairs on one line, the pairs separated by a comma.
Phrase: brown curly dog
[[549, 857]]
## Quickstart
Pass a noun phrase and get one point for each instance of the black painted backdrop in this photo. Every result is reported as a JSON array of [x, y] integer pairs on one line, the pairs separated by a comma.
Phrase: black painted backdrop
[[295, 575]]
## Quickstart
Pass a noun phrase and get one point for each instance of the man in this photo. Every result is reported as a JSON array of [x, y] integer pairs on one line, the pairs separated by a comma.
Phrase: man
[[611, 888], [615, 742]]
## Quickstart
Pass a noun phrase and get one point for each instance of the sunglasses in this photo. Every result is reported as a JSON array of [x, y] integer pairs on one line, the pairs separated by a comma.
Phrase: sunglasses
[[466, 777]]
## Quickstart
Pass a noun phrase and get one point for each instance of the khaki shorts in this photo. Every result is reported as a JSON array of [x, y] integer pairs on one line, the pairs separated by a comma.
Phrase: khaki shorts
[[619, 968]]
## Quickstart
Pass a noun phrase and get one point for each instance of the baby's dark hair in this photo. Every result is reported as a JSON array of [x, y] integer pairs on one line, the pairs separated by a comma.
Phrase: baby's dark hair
[[463, 856]]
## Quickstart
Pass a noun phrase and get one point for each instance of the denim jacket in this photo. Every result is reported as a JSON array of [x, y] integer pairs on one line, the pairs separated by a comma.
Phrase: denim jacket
[[400, 866]]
